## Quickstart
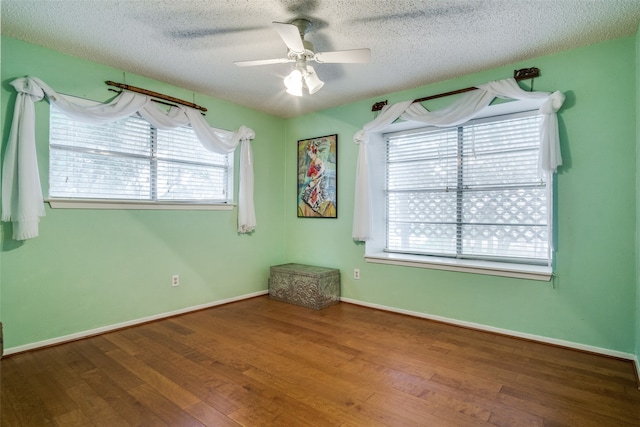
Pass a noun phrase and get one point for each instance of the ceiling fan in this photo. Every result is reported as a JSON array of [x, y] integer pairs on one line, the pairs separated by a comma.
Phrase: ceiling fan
[[300, 51]]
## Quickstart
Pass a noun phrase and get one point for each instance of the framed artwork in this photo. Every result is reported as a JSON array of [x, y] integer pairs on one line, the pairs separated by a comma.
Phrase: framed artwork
[[318, 177]]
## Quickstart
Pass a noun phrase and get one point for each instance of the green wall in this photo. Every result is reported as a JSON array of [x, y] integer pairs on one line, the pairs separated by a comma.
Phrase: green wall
[[637, 334], [591, 301], [93, 268]]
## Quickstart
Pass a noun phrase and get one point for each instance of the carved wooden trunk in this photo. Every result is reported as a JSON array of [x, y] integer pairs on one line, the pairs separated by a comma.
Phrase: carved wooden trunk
[[305, 285]]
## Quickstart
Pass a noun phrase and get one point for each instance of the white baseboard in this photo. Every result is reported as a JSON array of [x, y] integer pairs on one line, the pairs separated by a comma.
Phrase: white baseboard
[[637, 364], [109, 328], [481, 327]]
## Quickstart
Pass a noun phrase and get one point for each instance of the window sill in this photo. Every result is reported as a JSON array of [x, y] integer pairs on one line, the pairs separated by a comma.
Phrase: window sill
[[139, 205], [521, 271]]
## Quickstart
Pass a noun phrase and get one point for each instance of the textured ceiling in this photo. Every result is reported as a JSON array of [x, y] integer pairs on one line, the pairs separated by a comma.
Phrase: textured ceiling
[[193, 43]]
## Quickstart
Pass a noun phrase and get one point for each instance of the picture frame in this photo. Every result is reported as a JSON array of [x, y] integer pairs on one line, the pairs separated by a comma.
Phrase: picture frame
[[318, 177]]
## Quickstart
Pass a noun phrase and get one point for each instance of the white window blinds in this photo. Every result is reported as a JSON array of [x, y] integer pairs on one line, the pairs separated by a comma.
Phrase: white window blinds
[[472, 191], [132, 160]]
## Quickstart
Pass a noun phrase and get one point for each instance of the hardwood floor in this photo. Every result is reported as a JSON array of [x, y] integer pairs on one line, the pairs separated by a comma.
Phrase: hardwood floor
[[260, 362]]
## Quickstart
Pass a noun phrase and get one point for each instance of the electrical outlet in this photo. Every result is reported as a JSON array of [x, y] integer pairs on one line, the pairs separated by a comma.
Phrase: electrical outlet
[[356, 273], [175, 280]]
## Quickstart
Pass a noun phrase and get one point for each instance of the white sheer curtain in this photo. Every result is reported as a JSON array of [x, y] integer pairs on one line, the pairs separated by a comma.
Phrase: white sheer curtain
[[459, 112], [22, 201]]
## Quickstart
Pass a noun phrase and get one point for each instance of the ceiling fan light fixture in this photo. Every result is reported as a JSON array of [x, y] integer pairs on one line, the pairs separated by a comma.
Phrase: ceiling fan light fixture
[[302, 77], [293, 83], [312, 80]]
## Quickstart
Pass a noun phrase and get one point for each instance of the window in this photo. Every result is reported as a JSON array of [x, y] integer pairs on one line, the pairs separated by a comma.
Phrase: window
[[470, 192], [132, 161]]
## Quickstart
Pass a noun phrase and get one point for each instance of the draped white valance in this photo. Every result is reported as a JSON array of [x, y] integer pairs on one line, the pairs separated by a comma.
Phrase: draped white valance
[[461, 111], [22, 201]]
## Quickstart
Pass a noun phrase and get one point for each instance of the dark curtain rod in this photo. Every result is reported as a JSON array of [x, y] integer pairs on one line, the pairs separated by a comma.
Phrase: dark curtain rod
[[521, 74], [155, 95]]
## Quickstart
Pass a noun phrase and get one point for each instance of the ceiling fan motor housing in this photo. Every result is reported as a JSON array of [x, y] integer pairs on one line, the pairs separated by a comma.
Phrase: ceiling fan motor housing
[[309, 51]]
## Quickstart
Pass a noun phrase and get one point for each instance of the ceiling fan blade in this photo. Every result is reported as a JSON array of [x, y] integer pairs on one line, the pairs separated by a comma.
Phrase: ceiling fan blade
[[291, 36], [262, 62], [353, 56]]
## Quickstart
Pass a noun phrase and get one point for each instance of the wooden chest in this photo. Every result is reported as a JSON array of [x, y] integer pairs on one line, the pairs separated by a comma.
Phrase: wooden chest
[[305, 285]]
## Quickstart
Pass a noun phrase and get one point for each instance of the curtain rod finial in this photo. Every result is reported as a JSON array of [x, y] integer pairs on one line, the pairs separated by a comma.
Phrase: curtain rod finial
[[526, 73], [379, 105]]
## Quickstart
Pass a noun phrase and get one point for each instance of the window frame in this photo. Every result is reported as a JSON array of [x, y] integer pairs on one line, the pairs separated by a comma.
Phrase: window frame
[[375, 247], [141, 204]]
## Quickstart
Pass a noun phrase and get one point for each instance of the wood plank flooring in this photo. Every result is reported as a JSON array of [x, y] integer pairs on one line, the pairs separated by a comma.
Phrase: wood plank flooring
[[260, 362]]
